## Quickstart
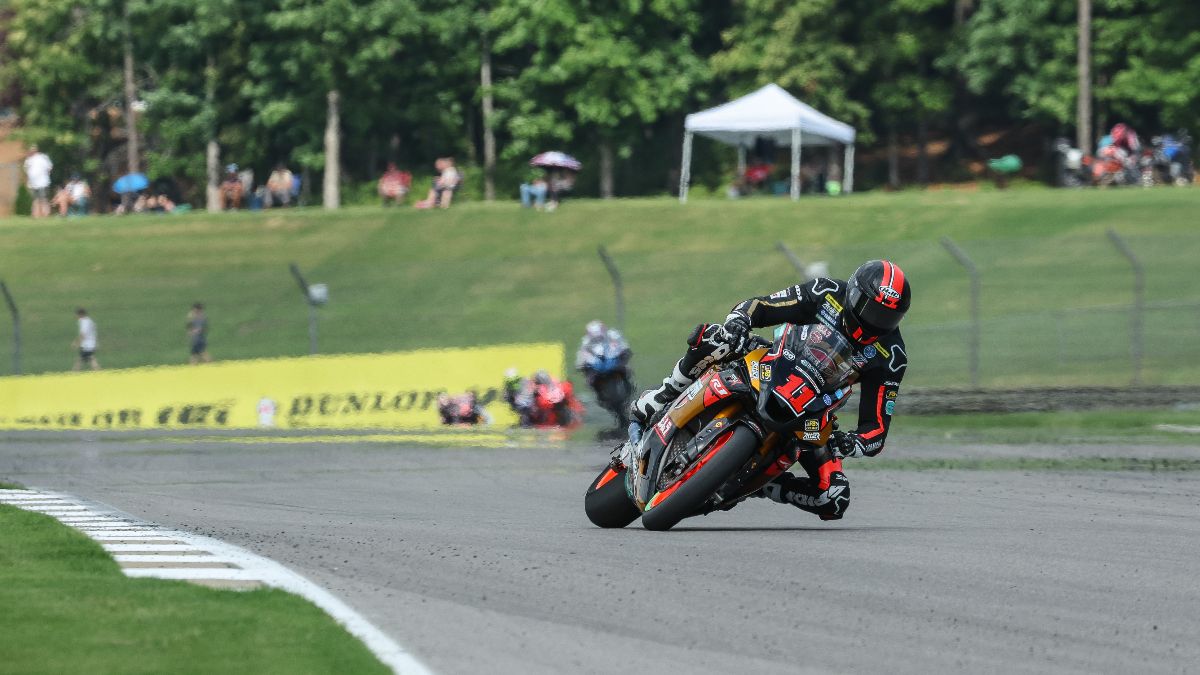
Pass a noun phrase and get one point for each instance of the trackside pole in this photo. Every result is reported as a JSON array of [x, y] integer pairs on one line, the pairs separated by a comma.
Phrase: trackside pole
[[16, 317], [618, 286], [1137, 321], [685, 167], [793, 259], [973, 339], [796, 148], [312, 308]]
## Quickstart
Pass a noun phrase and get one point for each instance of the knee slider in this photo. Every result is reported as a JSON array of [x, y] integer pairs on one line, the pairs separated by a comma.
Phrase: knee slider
[[697, 335]]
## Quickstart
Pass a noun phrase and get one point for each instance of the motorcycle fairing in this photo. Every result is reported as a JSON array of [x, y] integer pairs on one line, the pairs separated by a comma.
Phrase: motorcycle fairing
[[694, 454]]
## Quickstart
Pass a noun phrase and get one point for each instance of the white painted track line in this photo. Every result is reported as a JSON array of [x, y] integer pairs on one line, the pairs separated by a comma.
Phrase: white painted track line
[[166, 548], [173, 554], [166, 558]]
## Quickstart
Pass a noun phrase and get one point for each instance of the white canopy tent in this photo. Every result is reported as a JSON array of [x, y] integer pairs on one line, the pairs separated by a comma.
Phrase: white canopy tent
[[771, 113]]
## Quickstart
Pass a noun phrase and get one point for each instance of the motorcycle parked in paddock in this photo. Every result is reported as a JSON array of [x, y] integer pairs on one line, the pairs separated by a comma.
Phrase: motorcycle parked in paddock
[[737, 427]]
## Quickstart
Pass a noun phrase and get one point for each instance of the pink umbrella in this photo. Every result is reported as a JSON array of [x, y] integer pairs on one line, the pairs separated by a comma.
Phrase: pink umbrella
[[557, 160]]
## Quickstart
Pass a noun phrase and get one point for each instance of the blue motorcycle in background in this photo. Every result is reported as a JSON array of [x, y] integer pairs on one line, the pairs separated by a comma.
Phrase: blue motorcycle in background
[[1172, 158], [608, 373]]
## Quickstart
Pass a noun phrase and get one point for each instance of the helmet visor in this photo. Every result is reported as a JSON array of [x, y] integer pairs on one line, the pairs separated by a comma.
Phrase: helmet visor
[[874, 318]]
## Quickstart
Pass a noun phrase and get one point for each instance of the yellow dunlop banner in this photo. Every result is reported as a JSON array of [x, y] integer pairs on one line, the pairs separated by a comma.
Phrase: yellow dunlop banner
[[395, 391]]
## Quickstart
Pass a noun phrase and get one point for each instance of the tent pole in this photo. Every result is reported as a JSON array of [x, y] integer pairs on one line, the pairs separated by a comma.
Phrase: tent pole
[[741, 167], [685, 171], [848, 171], [796, 163]]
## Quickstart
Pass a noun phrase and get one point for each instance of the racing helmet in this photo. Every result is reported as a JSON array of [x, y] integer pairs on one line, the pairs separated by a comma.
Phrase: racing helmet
[[877, 297], [595, 330], [542, 377], [1119, 132]]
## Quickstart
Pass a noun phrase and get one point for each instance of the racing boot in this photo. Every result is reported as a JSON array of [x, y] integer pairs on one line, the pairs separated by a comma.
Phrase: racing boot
[[829, 502], [652, 401]]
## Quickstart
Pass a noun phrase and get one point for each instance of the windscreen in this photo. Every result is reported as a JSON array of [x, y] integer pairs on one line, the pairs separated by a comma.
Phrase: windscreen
[[822, 354]]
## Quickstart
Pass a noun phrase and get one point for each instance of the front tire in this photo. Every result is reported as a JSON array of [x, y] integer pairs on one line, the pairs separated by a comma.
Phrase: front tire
[[606, 502], [722, 459]]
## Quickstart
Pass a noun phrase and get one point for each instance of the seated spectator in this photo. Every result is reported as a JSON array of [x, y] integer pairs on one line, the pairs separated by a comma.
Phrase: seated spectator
[[61, 201], [562, 181], [231, 189], [533, 190], [81, 195], [394, 184], [279, 187], [447, 182], [159, 204], [141, 203]]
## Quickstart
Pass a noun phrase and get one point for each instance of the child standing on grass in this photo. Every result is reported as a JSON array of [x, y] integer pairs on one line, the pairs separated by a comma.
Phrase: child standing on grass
[[85, 342]]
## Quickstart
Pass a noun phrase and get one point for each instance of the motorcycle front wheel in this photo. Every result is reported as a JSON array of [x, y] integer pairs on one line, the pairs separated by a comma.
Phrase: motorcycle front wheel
[[606, 502], [727, 454]]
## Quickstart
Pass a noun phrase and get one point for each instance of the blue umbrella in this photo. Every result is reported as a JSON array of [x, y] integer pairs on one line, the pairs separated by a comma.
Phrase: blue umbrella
[[130, 182]]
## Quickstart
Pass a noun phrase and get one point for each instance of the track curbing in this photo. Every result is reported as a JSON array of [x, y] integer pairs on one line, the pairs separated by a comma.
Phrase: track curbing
[[174, 554]]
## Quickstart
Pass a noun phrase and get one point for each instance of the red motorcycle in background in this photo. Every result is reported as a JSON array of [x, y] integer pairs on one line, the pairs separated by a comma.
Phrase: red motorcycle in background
[[554, 403], [542, 401]]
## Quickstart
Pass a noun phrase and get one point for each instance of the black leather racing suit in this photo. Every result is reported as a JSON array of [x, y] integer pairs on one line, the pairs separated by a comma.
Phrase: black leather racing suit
[[881, 366]]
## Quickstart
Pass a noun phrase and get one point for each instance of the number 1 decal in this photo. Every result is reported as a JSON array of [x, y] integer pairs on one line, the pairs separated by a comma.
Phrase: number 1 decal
[[795, 392]]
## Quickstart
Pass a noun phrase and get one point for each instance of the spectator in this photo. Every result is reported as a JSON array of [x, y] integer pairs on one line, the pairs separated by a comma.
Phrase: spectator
[[533, 191], [85, 342], [197, 330], [562, 181], [231, 189], [279, 187], [394, 184], [444, 186], [154, 204], [80, 195], [37, 179], [60, 203]]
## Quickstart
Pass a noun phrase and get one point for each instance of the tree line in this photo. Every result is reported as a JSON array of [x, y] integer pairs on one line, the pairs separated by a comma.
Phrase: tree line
[[335, 88]]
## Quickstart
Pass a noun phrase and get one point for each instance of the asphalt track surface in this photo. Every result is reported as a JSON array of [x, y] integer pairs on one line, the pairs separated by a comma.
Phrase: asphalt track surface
[[482, 561]]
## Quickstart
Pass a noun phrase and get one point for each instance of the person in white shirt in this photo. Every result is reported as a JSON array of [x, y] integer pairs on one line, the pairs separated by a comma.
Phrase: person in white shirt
[[80, 194], [37, 179], [85, 342]]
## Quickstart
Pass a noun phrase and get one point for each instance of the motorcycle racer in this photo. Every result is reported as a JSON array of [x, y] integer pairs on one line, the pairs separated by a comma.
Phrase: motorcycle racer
[[867, 309], [599, 342]]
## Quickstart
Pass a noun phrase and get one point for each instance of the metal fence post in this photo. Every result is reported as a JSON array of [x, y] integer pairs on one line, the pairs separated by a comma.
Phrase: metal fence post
[[312, 308], [1136, 345], [973, 339], [16, 317], [792, 258], [618, 286]]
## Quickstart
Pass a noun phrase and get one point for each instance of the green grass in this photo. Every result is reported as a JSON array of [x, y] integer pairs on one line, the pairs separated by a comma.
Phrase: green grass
[[9, 485], [69, 609], [1075, 427], [1054, 303], [1031, 464]]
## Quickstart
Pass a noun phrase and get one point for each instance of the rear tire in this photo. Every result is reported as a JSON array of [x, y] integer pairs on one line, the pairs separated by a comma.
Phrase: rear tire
[[687, 499], [609, 505]]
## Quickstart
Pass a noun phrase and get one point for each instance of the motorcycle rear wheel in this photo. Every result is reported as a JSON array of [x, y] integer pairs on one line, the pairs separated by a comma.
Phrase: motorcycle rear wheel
[[688, 498], [609, 504]]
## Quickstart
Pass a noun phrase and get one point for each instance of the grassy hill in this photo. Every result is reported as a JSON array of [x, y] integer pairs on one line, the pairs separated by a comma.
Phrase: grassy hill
[[1055, 292]]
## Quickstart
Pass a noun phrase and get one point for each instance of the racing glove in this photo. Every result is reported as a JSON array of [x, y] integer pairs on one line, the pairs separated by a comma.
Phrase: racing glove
[[737, 327], [845, 444]]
